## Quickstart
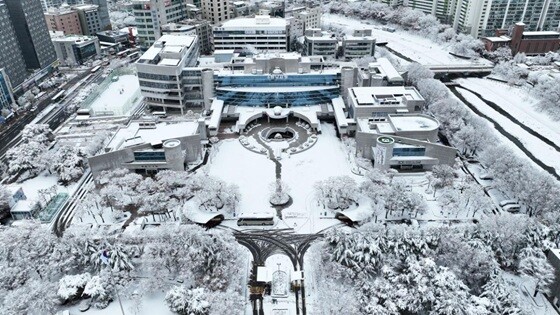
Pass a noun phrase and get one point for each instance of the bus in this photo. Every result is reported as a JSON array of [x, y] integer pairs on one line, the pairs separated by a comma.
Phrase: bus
[[95, 69], [123, 53], [59, 96], [256, 219], [134, 56]]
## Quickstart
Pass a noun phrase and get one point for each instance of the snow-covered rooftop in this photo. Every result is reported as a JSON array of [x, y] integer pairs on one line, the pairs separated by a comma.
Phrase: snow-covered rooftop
[[168, 47], [398, 123], [542, 33], [380, 95], [259, 21], [134, 135]]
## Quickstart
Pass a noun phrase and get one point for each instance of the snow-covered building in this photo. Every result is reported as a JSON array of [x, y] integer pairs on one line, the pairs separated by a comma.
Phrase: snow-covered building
[[402, 141], [359, 44], [148, 146], [198, 27], [380, 101], [380, 73], [262, 32], [162, 71], [318, 43], [75, 49]]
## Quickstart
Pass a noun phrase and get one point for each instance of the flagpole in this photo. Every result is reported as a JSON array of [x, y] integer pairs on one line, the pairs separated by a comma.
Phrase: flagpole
[[105, 260]]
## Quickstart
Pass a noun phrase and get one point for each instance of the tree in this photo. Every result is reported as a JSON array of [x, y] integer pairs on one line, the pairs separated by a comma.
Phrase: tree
[[5, 199], [187, 302], [100, 288], [417, 72], [501, 295], [535, 265], [432, 90], [279, 192], [71, 286], [337, 192], [67, 162], [444, 176]]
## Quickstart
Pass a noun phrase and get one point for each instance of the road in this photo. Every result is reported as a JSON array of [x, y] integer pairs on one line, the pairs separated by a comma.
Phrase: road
[[11, 136]]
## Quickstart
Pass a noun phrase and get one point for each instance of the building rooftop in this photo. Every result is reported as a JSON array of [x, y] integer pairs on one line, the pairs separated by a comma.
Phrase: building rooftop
[[383, 95], [498, 39], [386, 68], [542, 33], [134, 135], [74, 38], [167, 47], [393, 124], [259, 21]]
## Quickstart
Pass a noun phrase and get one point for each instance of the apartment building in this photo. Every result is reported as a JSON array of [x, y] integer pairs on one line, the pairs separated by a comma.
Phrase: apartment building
[[163, 72], [264, 33]]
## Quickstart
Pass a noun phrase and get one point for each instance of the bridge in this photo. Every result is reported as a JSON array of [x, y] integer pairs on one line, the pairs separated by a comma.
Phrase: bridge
[[473, 68]]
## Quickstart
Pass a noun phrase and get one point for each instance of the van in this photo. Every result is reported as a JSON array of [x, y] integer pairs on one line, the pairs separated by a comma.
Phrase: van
[[507, 202], [512, 208]]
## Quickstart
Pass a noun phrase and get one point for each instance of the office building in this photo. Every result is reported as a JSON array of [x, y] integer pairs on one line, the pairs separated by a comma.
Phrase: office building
[[402, 141], [359, 44], [114, 37], [165, 81], [198, 27], [380, 73], [527, 42], [146, 147], [241, 8], [150, 15], [310, 16], [6, 93], [88, 15], [11, 57], [103, 9], [76, 49], [319, 43], [216, 11], [64, 20], [263, 33], [32, 33]]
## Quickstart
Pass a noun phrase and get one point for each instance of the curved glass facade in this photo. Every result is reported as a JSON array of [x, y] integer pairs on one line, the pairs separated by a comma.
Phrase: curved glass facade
[[292, 98], [252, 80], [300, 98]]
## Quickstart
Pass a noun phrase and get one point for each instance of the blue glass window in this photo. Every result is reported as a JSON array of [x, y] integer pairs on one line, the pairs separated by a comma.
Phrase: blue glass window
[[155, 156], [409, 151]]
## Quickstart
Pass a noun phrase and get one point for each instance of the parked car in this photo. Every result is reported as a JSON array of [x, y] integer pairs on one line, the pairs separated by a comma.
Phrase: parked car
[[507, 202], [513, 208], [486, 176]]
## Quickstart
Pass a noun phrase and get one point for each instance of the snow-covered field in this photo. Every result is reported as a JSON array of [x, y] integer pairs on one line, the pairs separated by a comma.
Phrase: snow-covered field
[[547, 154], [254, 172], [119, 97], [517, 103], [417, 48]]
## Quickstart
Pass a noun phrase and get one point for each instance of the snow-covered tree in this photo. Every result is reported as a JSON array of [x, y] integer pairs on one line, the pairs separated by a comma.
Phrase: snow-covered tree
[[185, 301], [100, 289], [535, 265], [72, 286], [67, 162], [279, 192], [337, 192], [502, 296], [417, 72], [432, 90], [5, 197]]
